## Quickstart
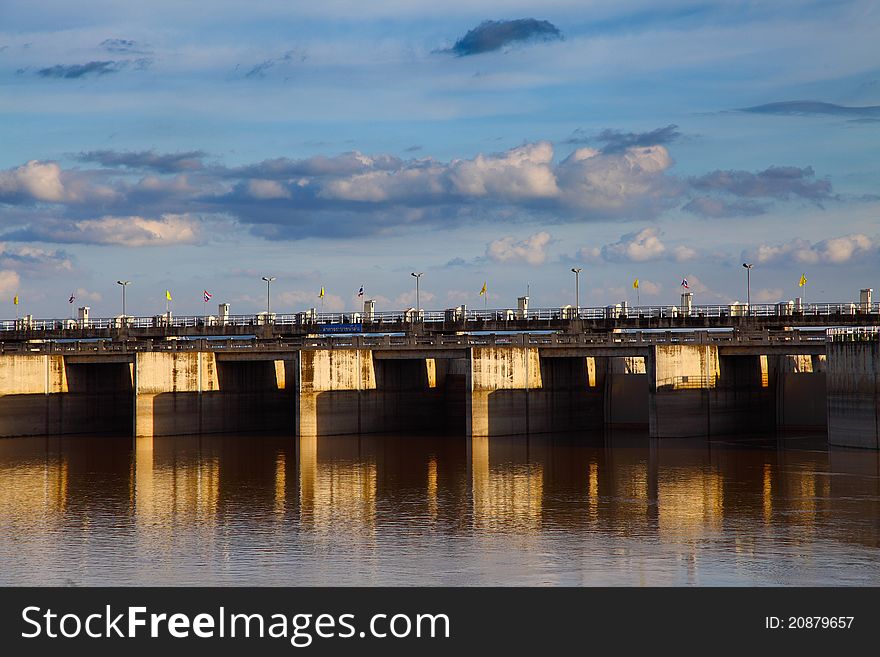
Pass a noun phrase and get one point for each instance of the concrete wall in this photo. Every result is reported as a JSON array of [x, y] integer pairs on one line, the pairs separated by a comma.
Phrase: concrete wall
[[801, 395], [344, 391], [626, 393], [47, 394], [514, 390], [679, 380], [200, 392], [853, 383]]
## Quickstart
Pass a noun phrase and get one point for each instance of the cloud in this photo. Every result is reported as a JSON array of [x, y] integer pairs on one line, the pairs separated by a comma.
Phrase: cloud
[[489, 36], [408, 299], [301, 299], [122, 46], [83, 295], [812, 107], [616, 141], [774, 182], [34, 261], [683, 253], [161, 162], [532, 250], [356, 194], [267, 189], [636, 247], [834, 251], [45, 182], [40, 181], [74, 71], [131, 231], [767, 295], [709, 206], [262, 68], [9, 282]]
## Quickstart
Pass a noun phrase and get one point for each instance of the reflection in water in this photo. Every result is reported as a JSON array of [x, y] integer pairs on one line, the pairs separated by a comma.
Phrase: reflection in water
[[430, 510]]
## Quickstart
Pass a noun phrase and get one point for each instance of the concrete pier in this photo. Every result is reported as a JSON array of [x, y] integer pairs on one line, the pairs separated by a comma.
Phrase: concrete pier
[[853, 384]]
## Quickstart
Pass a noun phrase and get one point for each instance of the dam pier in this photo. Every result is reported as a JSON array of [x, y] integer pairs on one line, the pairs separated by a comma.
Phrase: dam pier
[[693, 376]]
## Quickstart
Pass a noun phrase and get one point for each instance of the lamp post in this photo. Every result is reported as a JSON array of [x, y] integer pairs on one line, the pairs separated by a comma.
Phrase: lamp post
[[417, 276], [124, 284], [748, 266], [268, 280], [577, 290]]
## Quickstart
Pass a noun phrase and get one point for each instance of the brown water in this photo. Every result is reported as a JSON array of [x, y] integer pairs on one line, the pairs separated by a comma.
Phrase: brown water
[[399, 510]]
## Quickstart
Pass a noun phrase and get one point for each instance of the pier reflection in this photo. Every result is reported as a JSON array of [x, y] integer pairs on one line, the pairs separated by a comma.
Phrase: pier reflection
[[441, 509]]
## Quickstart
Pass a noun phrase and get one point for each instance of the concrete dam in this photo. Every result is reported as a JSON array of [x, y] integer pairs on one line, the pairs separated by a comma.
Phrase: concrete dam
[[674, 384]]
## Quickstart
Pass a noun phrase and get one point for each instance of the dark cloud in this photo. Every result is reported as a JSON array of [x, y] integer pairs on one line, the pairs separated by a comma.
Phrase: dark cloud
[[812, 107], [412, 149], [261, 69], [122, 46], [320, 165], [709, 206], [616, 141], [774, 182], [73, 71], [161, 162], [494, 35]]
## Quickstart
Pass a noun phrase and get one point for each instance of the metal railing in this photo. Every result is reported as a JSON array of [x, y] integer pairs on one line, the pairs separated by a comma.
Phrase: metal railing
[[377, 319], [632, 339], [854, 334]]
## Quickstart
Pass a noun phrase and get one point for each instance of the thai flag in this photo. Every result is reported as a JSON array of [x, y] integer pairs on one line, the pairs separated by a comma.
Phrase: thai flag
[[208, 296], [684, 284], [72, 298], [361, 291]]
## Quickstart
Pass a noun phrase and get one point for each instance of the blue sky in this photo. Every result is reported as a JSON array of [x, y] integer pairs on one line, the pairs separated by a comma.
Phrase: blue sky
[[351, 143]]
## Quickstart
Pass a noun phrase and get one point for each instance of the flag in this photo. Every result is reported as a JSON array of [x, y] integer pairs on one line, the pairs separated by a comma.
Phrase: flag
[[483, 291], [72, 298], [803, 280], [684, 284], [168, 295], [361, 291], [321, 293], [208, 296], [15, 300], [636, 284]]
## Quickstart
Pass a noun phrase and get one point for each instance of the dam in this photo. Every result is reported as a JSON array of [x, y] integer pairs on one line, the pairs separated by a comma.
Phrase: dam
[[674, 384]]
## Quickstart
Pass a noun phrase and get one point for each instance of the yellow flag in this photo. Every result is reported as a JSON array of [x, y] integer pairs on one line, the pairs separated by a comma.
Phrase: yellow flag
[[636, 284], [168, 295], [483, 291], [803, 280], [321, 293], [15, 300]]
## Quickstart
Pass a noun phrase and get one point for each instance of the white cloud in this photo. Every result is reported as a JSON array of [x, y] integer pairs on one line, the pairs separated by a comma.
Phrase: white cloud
[[124, 231], [835, 250], [531, 250], [640, 246], [267, 189], [9, 281], [408, 299], [299, 300], [82, 295], [767, 295], [38, 180], [683, 253]]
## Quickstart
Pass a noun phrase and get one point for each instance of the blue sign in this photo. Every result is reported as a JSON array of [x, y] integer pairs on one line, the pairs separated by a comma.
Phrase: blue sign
[[342, 328]]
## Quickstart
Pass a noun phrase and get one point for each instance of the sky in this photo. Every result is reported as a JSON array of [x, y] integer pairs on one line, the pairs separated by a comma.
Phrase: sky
[[350, 143]]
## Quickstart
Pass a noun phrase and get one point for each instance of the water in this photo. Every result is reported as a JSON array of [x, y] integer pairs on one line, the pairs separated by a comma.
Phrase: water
[[403, 510]]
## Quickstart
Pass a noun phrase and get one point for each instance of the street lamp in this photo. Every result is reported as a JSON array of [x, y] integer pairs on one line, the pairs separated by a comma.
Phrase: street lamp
[[268, 280], [577, 290], [417, 276], [124, 284], [748, 266]]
